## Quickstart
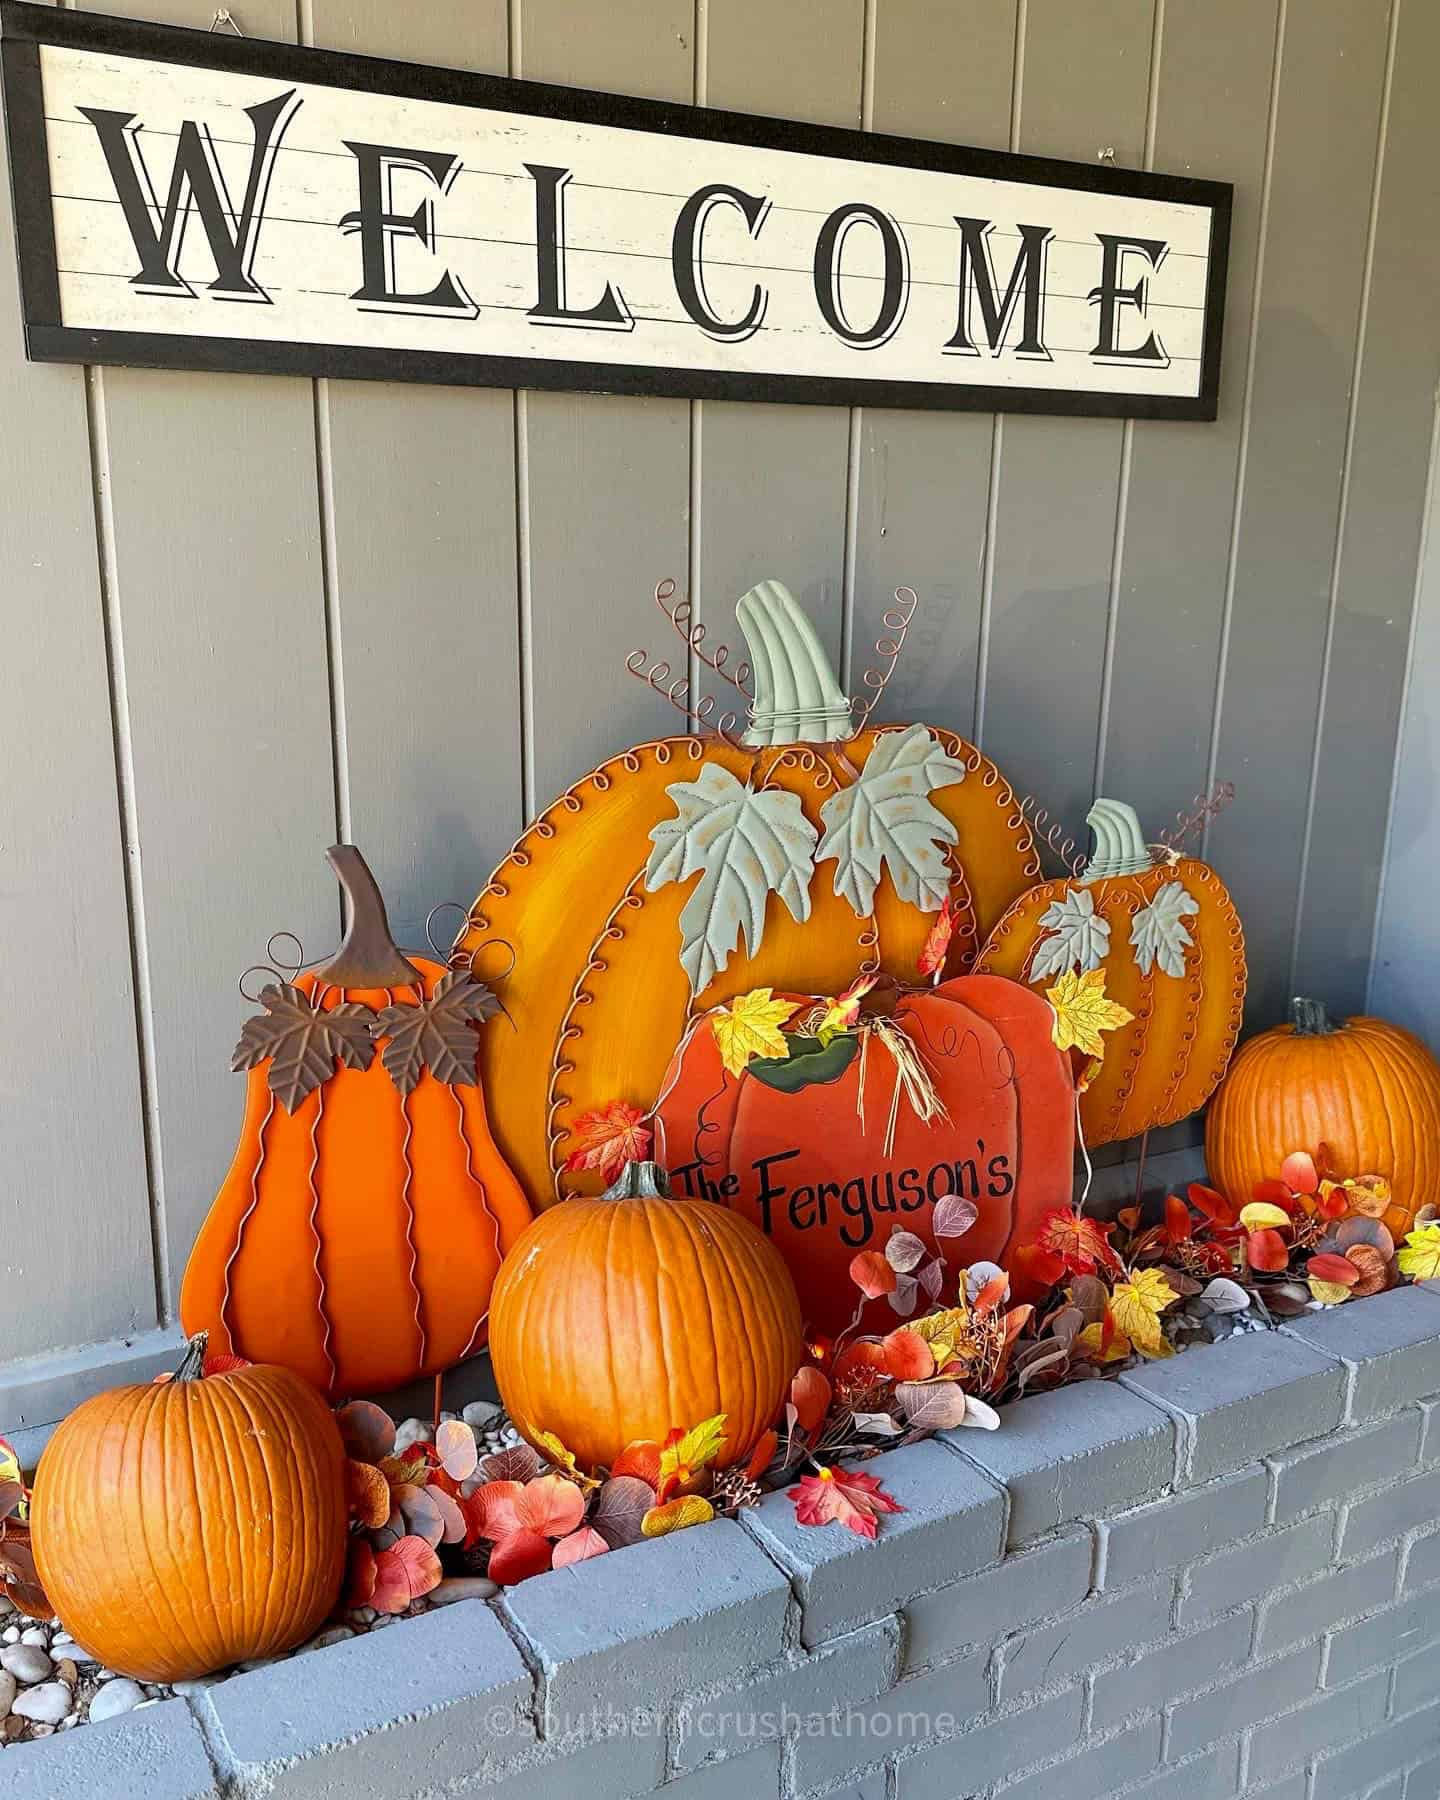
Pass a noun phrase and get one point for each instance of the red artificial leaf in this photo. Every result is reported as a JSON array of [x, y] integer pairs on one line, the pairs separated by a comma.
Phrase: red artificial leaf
[[1081, 1243], [1041, 1267], [1178, 1226], [1267, 1251], [640, 1459], [578, 1546], [993, 1294], [872, 1274], [490, 1512], [368, 1493], [1325, 1165], [907, 1356], [405, 1573], [937, 942], [518, 1557], [359, 1573], [810, 1396], [1329, 1266], [1210, 1201], [1298, 1172], [761, 1455], [863, 1356], [1334, 1203], [221, 1363], [608, 1138], [842, 1496], [550, 1505], [1274, 1193]]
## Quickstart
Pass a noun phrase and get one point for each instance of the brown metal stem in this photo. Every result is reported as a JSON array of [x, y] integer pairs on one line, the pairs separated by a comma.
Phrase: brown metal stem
[[368, 957]]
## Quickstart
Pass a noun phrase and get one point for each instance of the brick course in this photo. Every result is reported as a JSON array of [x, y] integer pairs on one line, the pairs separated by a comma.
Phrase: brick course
[[1224, 1582]]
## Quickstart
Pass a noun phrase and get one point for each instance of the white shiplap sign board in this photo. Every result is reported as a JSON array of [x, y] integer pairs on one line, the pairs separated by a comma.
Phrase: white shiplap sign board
[[201, 201]]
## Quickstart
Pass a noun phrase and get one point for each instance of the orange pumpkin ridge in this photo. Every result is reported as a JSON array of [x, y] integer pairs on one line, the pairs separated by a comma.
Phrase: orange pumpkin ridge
[[1368, 1090], [355, 1239], [626, 1315], [183, 1526]]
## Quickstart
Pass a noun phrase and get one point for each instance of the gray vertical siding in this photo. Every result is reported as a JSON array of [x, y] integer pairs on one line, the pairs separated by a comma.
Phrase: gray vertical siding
[[245, 615]]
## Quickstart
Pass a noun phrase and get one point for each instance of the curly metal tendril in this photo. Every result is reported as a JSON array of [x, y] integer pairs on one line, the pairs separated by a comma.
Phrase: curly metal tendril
[[693, 636], [1203, 808], [1052, 834], [896, 623], [676, 689]]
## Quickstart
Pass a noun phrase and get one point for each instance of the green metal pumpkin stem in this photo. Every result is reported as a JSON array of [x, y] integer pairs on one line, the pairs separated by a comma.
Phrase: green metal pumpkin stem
[[797, 698], [192, 1364], [1120, 847], [1310, 1018], [640, 1181]]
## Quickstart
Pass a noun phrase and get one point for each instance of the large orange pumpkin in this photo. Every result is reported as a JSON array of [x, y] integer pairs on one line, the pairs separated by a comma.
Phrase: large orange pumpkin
[[183, 1526], [622, 1316], [1170, 942], [594, 924], [1368, 1090], [826, 1152], [367, 1210]]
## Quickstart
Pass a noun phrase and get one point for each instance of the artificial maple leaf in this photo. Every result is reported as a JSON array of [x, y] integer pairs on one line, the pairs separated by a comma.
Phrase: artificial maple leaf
[[842, 1496], [608, 1137], [943, 1331], [676, 1515], [750, 1026], [1082, 1244], [1101, 1342], [937, 941], [1082, 1012], [1136, 1306], [844, 1010], [886, 816], [1419, 1256], [685, 1453], [438, 1034], [745, 845], [1080, 937], [303, 1042]]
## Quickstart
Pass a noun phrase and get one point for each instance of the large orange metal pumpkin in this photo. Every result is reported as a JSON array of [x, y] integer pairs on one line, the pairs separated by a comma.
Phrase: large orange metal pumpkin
[[183, 1526], [830, 1165], [624, 1316], [1368, 1090]]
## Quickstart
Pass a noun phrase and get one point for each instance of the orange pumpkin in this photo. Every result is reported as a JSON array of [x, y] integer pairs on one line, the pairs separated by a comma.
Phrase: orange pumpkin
[[623, 1316], [1368, 1090], [182, 1526], [367, 1210], [596, 925], [826, 1151], [1169, 940]]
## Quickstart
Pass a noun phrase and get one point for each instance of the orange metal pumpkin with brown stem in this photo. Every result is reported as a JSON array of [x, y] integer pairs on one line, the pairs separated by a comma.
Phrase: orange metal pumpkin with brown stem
[[367, 1210]]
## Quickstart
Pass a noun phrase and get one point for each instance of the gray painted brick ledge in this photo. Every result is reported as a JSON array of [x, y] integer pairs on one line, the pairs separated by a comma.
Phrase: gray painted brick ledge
[[1217, 1577]]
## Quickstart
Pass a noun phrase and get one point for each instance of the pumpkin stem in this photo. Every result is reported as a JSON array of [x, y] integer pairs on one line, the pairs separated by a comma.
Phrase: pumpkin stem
[[1310, 1018], [368, 957], [797, 698], [192, 1364], [1120, 847], [640, 1181]]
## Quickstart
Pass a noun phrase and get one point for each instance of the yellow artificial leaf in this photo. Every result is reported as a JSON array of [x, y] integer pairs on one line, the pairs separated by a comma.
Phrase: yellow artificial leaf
[[942, 1331], [9, 1462], [562, 1460], [697, 1449], [842, 1012], [1088, 1342], [1328, 1293], [1136, 1306], [1261, 1215], [1082, 1012], [750, 1026], [675, 1515], [1419, 1256]]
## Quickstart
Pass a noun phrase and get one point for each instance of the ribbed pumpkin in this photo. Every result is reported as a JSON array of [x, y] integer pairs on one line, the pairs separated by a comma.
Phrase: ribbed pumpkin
[[827, 1154], [359, 1230], [597, 950], [1170, 942], [1367, 1089], [182, 1526], [621, 1316]]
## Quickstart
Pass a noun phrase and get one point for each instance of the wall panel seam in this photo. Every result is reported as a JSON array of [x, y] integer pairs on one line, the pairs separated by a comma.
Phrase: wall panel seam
[[1237, 511], [1342, 510], [130, 856], [855, 422], [330, 592]]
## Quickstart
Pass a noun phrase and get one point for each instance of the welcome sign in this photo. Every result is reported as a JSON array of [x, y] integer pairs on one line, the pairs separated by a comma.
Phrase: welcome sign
[[187, 200]]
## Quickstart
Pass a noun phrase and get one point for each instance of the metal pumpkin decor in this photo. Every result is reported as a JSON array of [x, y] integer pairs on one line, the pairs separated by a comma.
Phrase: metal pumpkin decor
[[830, 1126], [1168, 939], [823, 846], [624, 1316], [183, 1526], [367, 1210], [1368, 1091]]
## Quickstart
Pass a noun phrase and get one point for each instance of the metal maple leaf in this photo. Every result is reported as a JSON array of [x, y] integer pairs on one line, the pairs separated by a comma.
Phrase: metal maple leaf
[[438, 1034], [886, 816], [303, 1042]]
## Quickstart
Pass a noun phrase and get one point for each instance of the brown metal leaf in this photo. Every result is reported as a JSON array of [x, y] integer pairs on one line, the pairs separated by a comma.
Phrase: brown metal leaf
[[303, 1042], [438, 1034]]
